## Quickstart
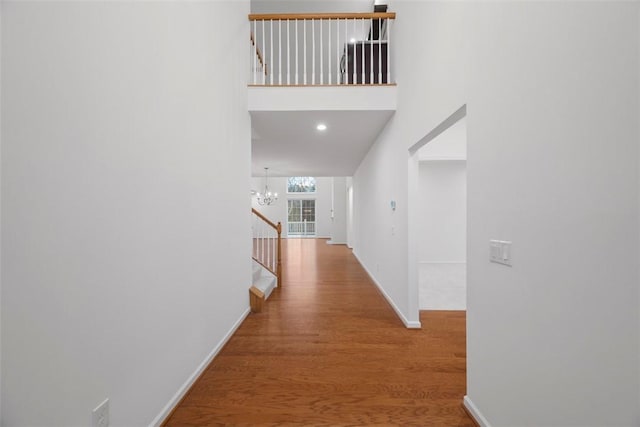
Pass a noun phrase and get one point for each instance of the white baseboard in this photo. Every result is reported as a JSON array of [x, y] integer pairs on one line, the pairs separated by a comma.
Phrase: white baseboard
[[331, 242], [194, 376], [407, 323], [475, 413]]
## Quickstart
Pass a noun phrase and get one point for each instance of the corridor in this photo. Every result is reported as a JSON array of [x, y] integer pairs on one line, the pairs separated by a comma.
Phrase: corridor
[[328, 350]]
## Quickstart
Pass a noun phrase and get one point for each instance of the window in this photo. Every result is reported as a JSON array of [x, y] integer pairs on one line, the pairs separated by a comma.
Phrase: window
[[301, 217], [301, 184]]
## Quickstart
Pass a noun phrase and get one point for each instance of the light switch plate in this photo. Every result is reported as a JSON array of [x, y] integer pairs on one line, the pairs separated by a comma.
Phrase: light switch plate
[[500, 252]]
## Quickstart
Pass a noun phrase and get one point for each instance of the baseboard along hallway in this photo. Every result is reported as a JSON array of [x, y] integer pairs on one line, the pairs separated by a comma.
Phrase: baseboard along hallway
[[328, 349]]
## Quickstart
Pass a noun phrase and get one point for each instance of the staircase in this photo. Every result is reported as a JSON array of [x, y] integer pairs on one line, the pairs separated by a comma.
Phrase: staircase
[[267, 259]]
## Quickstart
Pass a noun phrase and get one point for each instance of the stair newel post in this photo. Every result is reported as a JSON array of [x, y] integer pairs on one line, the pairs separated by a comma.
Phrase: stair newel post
[[279, 268]]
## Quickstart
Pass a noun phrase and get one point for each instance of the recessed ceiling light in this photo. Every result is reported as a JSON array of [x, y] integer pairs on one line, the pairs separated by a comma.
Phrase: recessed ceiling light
[[321, 126], [352, 40]]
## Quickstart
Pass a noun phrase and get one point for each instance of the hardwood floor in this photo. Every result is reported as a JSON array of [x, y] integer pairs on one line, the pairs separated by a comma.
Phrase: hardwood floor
[[328, 350]]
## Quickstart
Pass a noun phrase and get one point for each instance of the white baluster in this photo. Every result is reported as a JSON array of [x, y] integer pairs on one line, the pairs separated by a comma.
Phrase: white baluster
[[296, 51], [346, 51], [389, 50], [255, 53], [338, 73], [304, 43], [271, 52], [355, 57], [321, 55], [264, 55], [380, 51], [371, 52], [313, 51], [363, 32], [279, 51], [329, 56], [288, 55]]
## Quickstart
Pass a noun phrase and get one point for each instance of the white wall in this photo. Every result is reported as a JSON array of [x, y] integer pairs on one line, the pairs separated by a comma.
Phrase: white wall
[[443, 212], [381, 234], [125, 208], [278, 211], [339, 220], [442, 234], [552, 166]]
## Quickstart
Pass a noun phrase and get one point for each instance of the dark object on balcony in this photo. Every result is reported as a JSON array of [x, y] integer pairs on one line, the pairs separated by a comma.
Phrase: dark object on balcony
[[376, 25], [354, 56]]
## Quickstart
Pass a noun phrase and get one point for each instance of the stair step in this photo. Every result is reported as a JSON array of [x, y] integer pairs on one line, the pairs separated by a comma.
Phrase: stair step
[[265, 284]]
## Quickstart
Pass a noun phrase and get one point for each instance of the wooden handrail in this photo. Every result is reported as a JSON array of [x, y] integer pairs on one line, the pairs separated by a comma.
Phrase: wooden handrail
[[265, 219], [306, 16], [258, 53], [278, 228]]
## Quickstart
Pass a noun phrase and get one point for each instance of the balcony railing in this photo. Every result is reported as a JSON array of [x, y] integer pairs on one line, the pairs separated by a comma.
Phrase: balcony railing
[[321, 49]]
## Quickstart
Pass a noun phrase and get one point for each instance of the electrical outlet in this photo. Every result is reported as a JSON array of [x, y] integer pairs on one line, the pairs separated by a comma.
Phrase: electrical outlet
[[100, 415]]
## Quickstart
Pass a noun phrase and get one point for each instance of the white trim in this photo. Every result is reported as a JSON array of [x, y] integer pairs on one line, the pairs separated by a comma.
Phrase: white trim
[[441, 262], [442, 159], [446, 124], [475, 412], [407, 323], [194, 376], [331, 242]]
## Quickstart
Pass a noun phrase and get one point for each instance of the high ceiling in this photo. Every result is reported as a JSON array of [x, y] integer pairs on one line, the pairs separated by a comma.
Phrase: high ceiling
[[289, 143]]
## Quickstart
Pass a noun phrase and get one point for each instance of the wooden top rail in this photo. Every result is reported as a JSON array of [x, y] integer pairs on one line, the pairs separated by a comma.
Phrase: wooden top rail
[[265, 219], [303, 16]]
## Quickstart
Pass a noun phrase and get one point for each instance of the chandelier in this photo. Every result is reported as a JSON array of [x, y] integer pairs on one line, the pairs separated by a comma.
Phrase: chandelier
[[266, 197]]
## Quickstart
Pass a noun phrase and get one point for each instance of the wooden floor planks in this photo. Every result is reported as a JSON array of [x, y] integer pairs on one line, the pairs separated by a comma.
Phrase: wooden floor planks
[[328, 350]]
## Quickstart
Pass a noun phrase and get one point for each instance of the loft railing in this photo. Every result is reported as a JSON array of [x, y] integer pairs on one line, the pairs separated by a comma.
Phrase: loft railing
[[267, 244], [322, 49]]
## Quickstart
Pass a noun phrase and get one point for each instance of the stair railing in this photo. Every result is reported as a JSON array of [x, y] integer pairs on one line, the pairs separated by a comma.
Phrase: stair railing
[[322, 49], [258, 67], [267, 244]]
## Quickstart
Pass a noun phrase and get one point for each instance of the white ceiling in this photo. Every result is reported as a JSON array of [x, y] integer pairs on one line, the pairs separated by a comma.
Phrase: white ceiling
[[288, 143]]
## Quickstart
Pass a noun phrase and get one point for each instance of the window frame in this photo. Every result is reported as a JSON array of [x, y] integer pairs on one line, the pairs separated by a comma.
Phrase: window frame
[[302, 193]]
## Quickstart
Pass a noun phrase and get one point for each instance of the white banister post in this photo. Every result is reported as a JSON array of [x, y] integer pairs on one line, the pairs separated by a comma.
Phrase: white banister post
[[271, 52], [304, 43], [296, 51]]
